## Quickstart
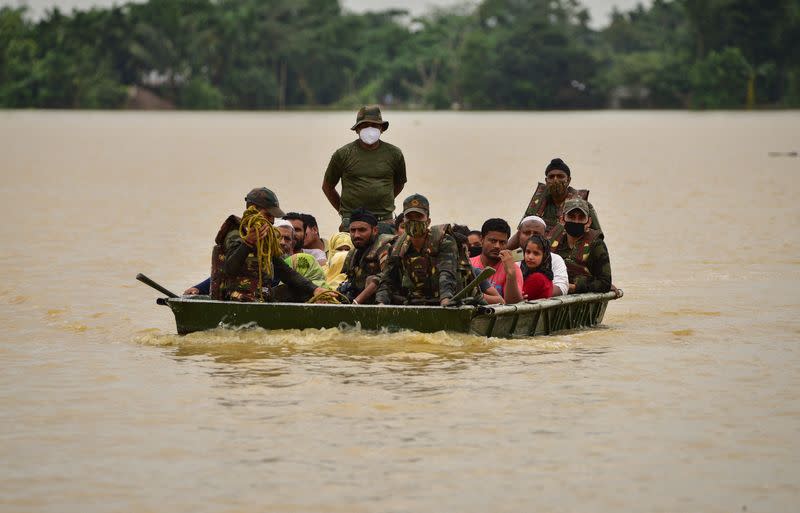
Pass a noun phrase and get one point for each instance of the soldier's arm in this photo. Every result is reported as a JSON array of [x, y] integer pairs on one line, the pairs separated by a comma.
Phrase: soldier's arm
[[600, 267], [294, 280], [386, 282], [399, 174], [332, 176], [236, 251], [373, 281], [448, 267]]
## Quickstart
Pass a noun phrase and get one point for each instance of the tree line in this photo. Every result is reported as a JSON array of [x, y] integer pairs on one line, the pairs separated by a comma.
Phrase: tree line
[[500, 54]]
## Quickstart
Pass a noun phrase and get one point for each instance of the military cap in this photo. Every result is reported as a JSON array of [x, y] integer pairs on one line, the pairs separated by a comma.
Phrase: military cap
[[416, 203], [370, 114], [576, 204], [265, 198]]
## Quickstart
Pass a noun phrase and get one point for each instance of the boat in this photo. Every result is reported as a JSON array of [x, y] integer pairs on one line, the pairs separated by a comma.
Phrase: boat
[[526, 319]]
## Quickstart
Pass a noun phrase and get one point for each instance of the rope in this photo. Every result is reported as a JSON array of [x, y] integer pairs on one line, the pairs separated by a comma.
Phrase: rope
[[266, 247], [330, 297]]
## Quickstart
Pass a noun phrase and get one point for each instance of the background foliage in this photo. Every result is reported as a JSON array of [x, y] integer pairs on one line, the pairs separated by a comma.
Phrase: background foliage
[[503, 54]]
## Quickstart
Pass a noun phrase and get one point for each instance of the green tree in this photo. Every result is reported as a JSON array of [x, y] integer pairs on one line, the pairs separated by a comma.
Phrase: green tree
[[720, 80]]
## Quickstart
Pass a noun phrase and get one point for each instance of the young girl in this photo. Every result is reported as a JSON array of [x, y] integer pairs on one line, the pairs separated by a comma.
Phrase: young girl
[[537, 271]]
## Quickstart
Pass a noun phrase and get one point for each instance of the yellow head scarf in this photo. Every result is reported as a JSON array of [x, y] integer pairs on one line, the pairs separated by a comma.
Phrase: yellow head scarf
[[333, 272], [338, 240]]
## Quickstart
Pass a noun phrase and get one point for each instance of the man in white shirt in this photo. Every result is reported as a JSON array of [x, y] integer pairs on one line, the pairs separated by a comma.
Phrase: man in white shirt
[[535, 225]]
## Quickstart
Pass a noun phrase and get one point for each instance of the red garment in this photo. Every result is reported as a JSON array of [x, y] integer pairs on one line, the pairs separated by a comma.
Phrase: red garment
[[537, 286]]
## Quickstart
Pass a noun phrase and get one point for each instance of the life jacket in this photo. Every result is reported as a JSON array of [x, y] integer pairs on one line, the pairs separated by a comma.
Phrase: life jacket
[[540, 200], [242, 287], [420, 272], [369, 265], [577, 258]]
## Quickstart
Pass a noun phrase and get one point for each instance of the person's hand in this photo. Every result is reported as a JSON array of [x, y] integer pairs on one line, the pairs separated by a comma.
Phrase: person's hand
[[254, 235], [191, 291], [445, 301], [507, 257], [571, 289], [319, 290]]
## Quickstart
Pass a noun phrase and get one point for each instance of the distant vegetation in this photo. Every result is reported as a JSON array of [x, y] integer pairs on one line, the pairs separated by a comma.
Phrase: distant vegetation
[[504, 54]]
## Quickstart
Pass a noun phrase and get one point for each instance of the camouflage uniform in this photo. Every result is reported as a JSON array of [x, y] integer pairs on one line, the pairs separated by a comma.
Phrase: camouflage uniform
[[429, 275], [542, 205], [588, 263], [234, 266], [360, 264]]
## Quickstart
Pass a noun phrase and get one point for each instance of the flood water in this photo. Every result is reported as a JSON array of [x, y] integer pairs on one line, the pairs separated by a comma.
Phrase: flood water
[[686, 399]]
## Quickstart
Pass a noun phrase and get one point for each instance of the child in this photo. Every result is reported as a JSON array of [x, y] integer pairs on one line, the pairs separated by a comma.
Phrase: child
[[537, 271]]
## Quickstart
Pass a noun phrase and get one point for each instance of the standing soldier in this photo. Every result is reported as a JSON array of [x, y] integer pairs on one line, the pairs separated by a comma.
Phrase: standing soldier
[[549, 197], [583, 250], [365, 261], [423, 264], [372, 172]]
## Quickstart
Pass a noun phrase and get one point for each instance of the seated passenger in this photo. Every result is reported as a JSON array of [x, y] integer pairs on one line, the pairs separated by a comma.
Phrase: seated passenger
[[312, 243], [494, 236], [583, 250], [461, 233], [364, 263], [338, 246], [533, 225], [423, 264], [299, 225], [537, 273], [237, 273], [474, 243], [305, 265]]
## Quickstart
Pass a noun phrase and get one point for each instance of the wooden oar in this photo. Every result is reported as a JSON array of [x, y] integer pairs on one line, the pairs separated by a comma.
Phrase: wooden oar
[[147, 281], [485, 274]]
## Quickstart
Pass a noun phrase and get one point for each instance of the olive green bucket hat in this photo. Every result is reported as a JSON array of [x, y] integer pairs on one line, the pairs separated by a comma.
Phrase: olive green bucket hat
[[265, 198], [370, 114]]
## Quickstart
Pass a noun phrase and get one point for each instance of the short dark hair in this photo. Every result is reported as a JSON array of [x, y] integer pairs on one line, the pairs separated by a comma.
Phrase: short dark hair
[[398, 221], [475, 232], [294, 216], [495, 224], [309, 221]]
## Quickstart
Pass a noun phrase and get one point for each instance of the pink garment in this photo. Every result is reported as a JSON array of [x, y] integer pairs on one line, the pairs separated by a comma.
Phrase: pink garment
[[537, 286], [498, 279]]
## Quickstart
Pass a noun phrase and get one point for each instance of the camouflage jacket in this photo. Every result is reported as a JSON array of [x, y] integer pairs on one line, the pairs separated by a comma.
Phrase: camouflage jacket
[[427, 275], [234, 269], [361, 264], [542, 205], [588, 263]]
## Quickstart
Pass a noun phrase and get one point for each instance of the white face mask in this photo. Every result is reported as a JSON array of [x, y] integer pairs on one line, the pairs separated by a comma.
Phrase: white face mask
[[370, 135]]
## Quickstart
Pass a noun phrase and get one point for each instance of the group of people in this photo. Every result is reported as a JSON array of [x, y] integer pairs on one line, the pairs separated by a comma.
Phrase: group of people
[[269, 255]]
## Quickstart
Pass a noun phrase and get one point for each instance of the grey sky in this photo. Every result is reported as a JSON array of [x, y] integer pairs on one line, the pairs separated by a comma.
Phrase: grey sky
[[599, 9]]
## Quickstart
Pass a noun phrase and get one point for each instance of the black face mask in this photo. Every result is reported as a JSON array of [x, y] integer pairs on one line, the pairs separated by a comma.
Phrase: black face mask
[[475, 251], [574, 229]]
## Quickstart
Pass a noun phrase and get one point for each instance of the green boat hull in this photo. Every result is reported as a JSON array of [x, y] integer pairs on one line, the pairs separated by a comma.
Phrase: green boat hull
[[527, 319]]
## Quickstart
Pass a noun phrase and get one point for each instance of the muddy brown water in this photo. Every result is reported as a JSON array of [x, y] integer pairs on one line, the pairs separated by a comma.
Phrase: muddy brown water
[[687, 399]]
